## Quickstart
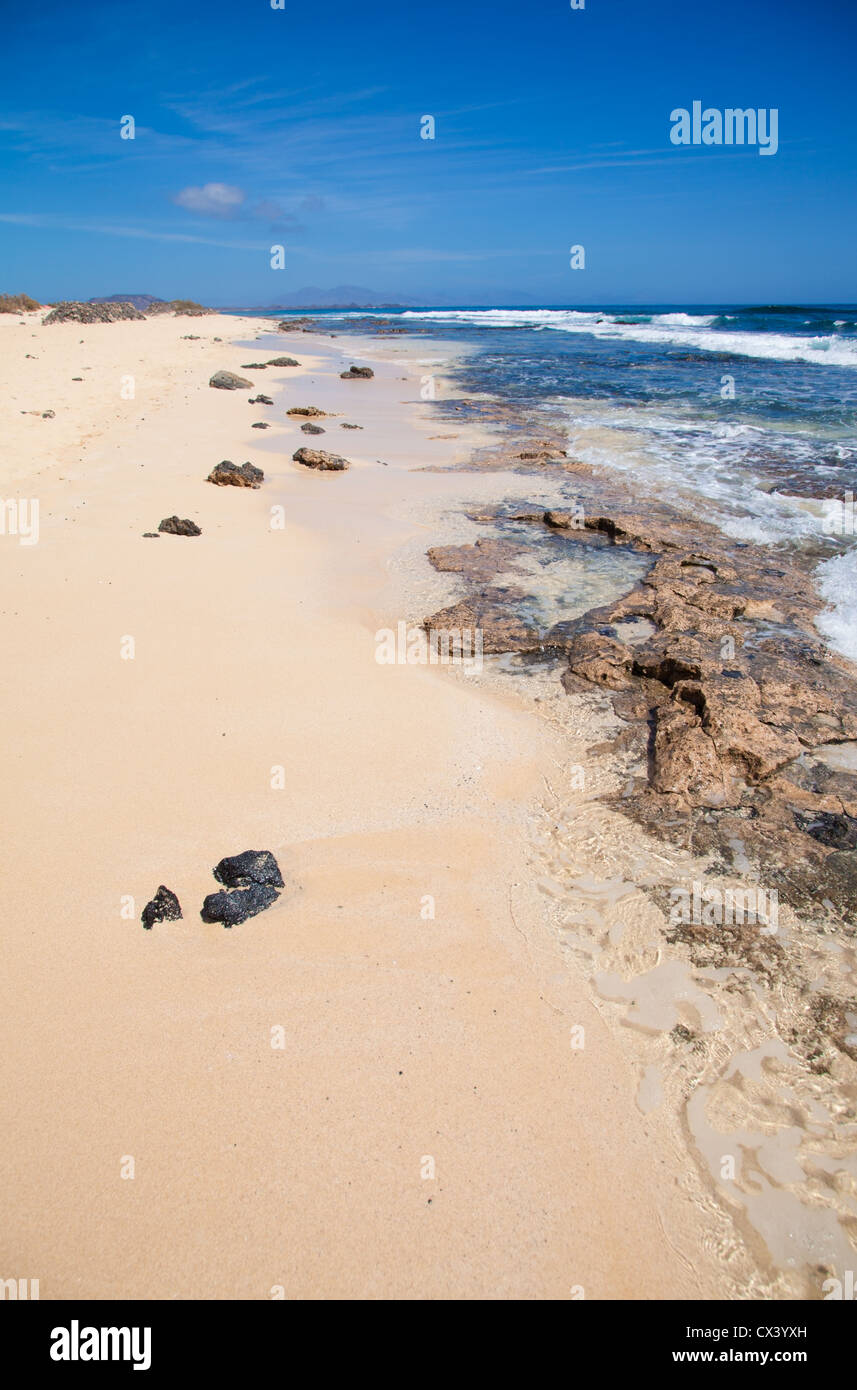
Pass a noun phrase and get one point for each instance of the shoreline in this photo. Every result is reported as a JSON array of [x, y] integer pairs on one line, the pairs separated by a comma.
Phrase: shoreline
[[405, 1034]]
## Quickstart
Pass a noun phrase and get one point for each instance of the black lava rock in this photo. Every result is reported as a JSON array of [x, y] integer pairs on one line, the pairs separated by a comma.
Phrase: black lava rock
[[253, 866], [283, 362], [260, 400], [311, 429], [357, 373], [175, 527], [164, 907], [234, 907]]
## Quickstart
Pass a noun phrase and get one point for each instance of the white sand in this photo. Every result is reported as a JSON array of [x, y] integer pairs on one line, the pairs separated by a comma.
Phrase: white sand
[[406, 1039]]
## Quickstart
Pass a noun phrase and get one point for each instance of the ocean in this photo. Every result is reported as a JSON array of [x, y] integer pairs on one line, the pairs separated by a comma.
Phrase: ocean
[[745, 416]]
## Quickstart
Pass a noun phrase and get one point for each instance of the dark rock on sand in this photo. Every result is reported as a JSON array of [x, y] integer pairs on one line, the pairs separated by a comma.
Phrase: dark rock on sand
[[150, 536], [175, 527], [311, 429], [306, 410], [73, 312], [259, 400], [48, 414], [253, 866], [317, 458], [227, 474], [234, 908], [350, 427], [283, 362], [229, 381], [357, 374], [254, 366], [252, 881], [260, 425], [164, 907]]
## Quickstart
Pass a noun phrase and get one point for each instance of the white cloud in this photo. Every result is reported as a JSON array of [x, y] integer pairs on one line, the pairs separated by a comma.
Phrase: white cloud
[[211, 200]]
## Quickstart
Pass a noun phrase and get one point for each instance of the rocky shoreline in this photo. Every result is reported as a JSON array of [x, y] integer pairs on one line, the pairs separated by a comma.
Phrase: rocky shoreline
[[713, 656], [736, 723]]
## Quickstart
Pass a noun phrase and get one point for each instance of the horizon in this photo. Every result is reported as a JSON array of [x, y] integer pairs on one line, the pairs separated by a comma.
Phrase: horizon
[[378, 306], [549, 133]]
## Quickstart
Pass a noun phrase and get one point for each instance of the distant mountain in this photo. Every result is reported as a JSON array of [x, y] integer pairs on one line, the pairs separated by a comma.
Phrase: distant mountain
[[140, 301], [340, 297]]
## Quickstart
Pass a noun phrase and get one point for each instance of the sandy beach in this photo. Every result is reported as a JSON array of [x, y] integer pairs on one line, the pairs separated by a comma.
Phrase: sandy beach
[[346, 1096]]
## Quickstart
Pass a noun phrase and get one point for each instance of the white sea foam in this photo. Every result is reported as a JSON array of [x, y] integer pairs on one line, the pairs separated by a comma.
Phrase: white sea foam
[[837, 584], [684, 320], [679, 330], [708, 462]]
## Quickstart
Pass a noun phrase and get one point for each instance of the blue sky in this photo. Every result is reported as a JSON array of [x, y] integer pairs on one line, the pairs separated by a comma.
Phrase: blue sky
[[301, 126]]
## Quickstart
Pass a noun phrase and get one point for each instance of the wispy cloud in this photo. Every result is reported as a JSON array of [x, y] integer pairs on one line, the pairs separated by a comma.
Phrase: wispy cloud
[[51, 223]]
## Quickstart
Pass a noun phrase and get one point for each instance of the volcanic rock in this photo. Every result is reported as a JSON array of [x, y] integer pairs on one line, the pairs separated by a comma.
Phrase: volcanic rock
[[227, 474], [175, 527], [317, 458], [253, 866], [229, 381], [74, 312], [234, 908], [164, 907], [357, 374], [252, 881]]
